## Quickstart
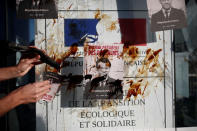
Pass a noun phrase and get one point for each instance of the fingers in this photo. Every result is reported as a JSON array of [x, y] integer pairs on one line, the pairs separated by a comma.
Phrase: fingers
[[28, 61], [33, 92], [33, 60], [41, 89], [41, 94], [41, 83]]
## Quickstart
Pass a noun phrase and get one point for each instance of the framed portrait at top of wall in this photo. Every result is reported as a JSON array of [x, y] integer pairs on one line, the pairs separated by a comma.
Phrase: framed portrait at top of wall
[[167, 14], [37, 9]]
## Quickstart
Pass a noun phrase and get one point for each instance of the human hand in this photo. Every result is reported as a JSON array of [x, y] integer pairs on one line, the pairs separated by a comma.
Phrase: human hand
[[32, 92], [25, 64], [28, 60]]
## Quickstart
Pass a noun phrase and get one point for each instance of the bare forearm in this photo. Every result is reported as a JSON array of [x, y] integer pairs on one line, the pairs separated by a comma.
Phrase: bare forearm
[[8, 73], [9, 102]]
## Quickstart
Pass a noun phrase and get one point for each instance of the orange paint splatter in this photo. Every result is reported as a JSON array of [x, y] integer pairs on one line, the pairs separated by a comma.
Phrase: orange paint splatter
[[157, 52], [134, 90], [54, 21], [74, 49], [133, 52], [97, 15], [71, 51], [148, 51], [61, 56], [140, 80], [112, 26], [151, 62], [151, 57], [130, 53]]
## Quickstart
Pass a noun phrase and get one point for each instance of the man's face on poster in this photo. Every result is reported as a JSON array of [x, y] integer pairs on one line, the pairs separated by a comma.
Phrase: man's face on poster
[[103, 69], [166, 4]]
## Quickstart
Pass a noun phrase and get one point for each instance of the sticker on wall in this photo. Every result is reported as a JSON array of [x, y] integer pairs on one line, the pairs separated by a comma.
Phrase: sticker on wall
[[37, 9], [55, 85], [167, 14]]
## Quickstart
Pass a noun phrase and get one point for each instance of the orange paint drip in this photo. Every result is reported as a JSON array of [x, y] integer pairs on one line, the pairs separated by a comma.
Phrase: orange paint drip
[[133, 52], [148, 51], [150, 62], [97, 15], [54, 21], [157, 52], [134, 90], [130, 53], [112, 26], [72, 51]]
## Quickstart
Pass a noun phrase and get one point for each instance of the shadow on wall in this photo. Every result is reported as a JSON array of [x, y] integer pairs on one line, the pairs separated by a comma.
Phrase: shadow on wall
[[40, 125], [185, 110], [26, 117]]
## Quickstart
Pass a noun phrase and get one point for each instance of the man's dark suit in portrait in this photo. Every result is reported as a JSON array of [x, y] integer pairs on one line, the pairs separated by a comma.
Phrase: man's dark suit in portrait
[[37, 9], [168, 17], [103, 87]]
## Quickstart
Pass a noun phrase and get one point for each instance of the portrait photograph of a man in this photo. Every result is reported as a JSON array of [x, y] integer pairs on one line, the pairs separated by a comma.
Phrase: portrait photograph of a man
[[167, 14], [103, 86], [37, 9]]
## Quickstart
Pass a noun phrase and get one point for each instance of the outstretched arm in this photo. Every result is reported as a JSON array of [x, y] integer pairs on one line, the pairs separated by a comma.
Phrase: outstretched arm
[[27, 94], [20, 69]]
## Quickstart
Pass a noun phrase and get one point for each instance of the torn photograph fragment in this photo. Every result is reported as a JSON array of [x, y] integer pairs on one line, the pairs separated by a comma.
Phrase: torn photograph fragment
[[167, 14], [55, 81], [37, 9]]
